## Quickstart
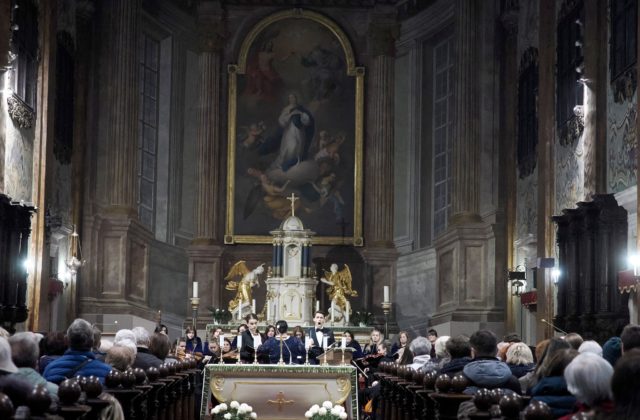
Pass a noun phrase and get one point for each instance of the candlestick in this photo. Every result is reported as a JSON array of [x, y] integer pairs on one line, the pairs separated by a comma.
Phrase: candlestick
[[195, 289], [253, 306], [239, 344], [386, 309], [325, 342], [317, 305], [344, 343], [195, 302], [386, 294], [342, 361], [346, 314], [221, 337]]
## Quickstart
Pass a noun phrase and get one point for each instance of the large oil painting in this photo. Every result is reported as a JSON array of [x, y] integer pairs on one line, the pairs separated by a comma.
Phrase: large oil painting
[[295, 127]]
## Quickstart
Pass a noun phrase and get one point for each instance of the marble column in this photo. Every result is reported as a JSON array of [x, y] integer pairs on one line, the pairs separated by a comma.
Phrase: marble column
[[123, 99], [509, 111], [466, 141], [205, 251], [380, 253], [546, 171]]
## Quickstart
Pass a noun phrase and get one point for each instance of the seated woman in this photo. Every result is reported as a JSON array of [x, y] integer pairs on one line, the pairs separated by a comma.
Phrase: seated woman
[[299, 332], [520, 359], [588, 378], [353, 343], [251, 339], [376, 338], [271, 331], [229, 355], [211, 353], [398, 347], [241, 329], [552, 387], [293, 351], [194, 343]]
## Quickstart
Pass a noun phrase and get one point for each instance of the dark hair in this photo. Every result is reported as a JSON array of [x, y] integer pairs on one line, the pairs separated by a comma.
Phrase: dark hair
[[484, 342], [246, 327], [97, 337], [407, 357], [318, 312], [625, 386], [350, 334], [630, 337], [299, 329], [266, 331], [159, 345], [190, 329], [249, 317], [555, 345], [160, 327], [55, 344], [432, 332], [558, 362], [458, 347], [574, 340], [512, 338]]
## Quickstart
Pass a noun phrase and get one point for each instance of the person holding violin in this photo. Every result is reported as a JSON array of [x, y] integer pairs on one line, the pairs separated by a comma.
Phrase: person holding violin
[[212, 353], [316, 338], [372, 346], [398, 347], [353, 343], [229, 355], [251, 339]]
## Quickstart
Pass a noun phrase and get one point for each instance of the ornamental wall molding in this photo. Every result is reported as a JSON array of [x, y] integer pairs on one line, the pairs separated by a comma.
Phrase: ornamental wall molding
[[19, 112], [624, 86]]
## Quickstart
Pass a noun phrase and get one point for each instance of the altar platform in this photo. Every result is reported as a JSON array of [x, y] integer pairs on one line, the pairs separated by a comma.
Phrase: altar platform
[[280, 392]]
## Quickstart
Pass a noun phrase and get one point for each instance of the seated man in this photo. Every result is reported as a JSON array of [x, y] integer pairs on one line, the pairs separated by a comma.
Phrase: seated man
[[293, 351], [485, 370], [25, 355], [79, 359]]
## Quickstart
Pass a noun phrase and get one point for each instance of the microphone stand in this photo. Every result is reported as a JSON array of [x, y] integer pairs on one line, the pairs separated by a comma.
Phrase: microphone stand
[[553, 326]]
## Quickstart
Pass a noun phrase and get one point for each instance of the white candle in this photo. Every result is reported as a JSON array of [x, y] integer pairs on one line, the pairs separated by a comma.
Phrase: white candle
[[253, 306], [239, 342], [240, 310], [268, 311], [332, 312], [221, 337], [346, 314], [386, 294], [325, 342], [344, 343], [195, 289], [317, 305]]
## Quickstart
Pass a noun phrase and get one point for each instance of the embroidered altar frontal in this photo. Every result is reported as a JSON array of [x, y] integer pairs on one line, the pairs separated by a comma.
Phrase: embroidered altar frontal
[[280, 392]]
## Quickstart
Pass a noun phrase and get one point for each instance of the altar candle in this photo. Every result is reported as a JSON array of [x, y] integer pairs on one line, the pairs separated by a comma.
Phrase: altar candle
[[221, 337], [253, 306], [344, 343], [325, 342], [332, 313], [346, 314], [195, 289], [239, 342], [386, 294], [317, 305], [240, 310]]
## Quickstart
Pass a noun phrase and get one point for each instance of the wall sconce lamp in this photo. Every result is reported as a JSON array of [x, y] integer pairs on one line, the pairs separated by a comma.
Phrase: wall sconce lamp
[[555, 276], [517, 280], [74, 256], [634, 262]]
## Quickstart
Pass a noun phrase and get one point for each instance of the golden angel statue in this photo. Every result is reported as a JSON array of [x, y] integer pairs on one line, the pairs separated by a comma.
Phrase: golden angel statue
[[248, 279], [340, 290]]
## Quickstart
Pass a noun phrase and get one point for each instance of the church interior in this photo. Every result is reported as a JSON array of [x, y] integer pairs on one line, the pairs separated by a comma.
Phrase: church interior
[[453, 166]]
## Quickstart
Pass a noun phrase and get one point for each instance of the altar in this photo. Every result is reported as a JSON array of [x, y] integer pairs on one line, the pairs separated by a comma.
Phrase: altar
[[280, 392]]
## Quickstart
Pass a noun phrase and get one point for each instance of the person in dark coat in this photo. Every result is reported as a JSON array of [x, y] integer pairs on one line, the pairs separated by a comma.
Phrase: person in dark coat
[[194, 343], [144, 358], [79, 359], [459, 351], [251, 339], [293, 351], [316, 336], [353, 343], [520, 359], [552, 387]]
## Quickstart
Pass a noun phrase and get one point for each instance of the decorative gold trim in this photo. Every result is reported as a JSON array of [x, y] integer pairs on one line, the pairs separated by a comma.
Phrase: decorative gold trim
[[240, 68], [280, 400]]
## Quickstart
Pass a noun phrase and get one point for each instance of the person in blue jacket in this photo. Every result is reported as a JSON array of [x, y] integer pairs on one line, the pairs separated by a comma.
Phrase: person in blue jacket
[[78, 360]]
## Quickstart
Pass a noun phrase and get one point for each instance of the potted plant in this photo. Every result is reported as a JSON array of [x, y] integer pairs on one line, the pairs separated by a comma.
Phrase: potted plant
[[220, 315], [233, 411], [326, 411], [362, 318]]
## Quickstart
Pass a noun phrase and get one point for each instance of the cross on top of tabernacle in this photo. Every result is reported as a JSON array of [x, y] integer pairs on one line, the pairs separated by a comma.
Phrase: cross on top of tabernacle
[[293, 199]]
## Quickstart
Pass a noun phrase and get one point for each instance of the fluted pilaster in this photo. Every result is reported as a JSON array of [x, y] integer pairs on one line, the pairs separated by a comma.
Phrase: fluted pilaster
[[466, 142], [207, 134], [123, 124]]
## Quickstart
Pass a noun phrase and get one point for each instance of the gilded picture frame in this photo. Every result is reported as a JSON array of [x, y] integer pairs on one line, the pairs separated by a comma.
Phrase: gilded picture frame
[[295, 125]]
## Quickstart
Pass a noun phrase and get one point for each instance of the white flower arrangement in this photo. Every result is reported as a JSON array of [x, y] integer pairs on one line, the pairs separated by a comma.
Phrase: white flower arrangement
[[234, 411], [327, 411]]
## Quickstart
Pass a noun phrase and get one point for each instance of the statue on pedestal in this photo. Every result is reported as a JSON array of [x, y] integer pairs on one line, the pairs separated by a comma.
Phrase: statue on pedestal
[[248, 280], [339, 291]]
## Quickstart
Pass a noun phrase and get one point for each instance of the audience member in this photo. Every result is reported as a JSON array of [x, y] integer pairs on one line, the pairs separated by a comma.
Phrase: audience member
[[630, 337], [16, 388], [529, 380], [625, 386], [159, 346], [398, 346], [442, 356], [79, 359], [485, 370], [552, 387], [144, 358], [97, 344], [25, 355], [520, 359], [421, 350], [588, 378], [590, 346], [54, 346], [432, 336], [459, 351], [120, 357], [575, 340], [611, 350]]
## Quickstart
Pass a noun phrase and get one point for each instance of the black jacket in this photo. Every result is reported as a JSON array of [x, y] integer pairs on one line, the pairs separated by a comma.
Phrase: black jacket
[[145, 360], [316, 350], [247, 351]]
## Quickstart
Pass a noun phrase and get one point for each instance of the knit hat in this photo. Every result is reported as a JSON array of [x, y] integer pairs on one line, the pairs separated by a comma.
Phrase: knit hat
[[6, 364], [611, 350]]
